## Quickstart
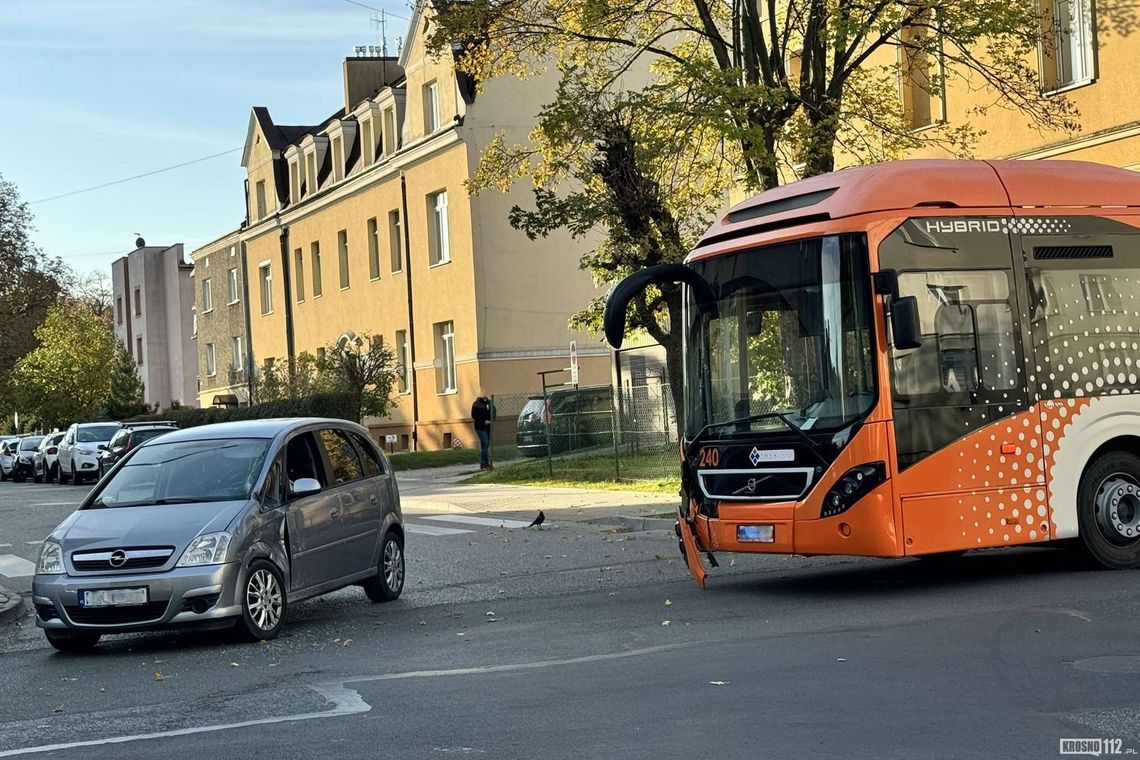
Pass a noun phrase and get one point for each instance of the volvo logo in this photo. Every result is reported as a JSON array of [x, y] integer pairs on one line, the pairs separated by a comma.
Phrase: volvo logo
[[118, 558]]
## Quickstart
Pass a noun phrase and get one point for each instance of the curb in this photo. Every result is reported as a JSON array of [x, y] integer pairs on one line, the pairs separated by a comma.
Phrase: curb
[[634, 523], [11, 606]]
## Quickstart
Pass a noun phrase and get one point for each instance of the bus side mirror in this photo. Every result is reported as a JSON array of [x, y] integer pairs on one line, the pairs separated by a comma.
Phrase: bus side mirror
[[904, 323], [617, 303]]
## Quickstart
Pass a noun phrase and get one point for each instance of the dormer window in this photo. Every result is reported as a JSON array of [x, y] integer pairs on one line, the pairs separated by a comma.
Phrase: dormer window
[[389, 131], [296, 174], [338, 158]]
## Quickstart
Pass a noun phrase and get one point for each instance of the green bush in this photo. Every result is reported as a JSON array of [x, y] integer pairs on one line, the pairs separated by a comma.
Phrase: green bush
[[335, 405]]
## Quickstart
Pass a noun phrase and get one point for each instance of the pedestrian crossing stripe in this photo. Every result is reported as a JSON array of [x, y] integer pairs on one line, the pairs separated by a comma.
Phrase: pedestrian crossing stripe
[[12, 566]]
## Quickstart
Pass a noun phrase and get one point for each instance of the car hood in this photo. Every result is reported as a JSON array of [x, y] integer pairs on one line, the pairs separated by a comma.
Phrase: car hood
[[167, 525]]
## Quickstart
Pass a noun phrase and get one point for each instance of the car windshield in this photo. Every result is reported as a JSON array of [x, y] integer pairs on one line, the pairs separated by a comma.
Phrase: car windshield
[[185, 472], [29, 444], [95, 433], [790, 333]]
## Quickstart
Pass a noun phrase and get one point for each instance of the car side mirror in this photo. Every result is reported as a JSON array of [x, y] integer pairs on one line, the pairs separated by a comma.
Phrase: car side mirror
[[102, 447], [904, 323], [304, 486], [53, 450]]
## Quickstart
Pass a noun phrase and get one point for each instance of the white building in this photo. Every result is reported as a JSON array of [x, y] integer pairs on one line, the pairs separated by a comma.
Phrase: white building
[[153, 292]]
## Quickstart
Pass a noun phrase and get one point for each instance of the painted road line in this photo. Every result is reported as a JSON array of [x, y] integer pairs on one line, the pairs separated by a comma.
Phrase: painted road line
[[5, 546], [33, 543], [433, 530], [494, 522], [12, 566]]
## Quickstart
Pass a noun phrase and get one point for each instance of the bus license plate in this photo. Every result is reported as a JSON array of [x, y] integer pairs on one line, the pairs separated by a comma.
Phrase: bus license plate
[[113, 597]]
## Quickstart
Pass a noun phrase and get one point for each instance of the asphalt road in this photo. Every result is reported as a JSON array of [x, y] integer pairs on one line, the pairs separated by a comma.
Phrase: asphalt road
[[576, 641]]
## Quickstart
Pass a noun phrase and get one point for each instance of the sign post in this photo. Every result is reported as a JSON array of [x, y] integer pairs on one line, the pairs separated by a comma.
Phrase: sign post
[[574, 363]]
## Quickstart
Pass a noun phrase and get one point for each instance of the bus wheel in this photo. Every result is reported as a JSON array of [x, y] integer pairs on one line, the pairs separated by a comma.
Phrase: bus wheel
[[1108, 510]]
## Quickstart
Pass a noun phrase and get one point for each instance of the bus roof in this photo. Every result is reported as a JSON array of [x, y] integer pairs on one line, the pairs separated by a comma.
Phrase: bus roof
[[930, 183]]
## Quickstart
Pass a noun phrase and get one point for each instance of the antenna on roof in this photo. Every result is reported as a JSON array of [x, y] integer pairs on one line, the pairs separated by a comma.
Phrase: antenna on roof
[[381, 23]]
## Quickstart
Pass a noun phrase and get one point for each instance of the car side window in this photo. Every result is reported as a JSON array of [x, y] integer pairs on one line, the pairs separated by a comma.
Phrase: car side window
[[368, 456], [303, 461], [345, 462]]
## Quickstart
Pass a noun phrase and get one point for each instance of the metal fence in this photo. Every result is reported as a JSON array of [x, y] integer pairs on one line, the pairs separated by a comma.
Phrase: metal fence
[[588, 433]]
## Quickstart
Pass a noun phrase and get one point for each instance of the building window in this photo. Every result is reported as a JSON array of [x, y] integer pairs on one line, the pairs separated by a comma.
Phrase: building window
[[315, 264], [262, 209], [119, 309], [294, 181], [311, 171], [338, 159], [1068, 55], [395, 241], [207, 295], [266, 273], [211, 360], [917, 69], [439, 244], [445, 356], [431, 107], [237, 353], [342, 256], [367, 142], [138, 350], [138, 302], [232, 284], [403, 359], [389, 131], [299, 274], [373, 250]]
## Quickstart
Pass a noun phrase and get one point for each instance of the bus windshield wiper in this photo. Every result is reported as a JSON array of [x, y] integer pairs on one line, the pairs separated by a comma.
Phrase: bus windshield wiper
[[781, 416]]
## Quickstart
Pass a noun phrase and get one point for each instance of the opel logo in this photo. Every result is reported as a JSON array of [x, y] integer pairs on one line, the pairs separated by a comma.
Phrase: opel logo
[[118, 558]]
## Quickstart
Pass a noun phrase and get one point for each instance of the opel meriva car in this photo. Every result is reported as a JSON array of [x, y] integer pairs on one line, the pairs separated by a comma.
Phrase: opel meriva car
[[220, 525]]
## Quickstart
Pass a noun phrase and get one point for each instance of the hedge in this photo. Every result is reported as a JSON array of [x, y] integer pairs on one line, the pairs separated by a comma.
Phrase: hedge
[[334, 405]]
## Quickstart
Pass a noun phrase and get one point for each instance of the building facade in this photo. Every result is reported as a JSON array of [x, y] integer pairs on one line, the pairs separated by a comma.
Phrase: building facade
[[153, 292], [363, 223], [221, 322]]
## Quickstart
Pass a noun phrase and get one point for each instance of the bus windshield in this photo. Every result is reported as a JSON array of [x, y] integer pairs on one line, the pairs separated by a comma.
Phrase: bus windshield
[[790, 333]]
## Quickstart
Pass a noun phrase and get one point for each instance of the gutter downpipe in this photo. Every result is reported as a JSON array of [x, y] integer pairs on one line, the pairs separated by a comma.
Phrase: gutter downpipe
[[411, 315]]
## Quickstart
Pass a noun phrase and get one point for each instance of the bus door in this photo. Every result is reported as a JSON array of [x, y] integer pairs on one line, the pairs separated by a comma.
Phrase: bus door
[[965, 438]]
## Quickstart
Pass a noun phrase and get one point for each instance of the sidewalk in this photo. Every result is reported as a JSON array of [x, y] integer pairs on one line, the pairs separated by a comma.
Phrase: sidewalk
[[11, 606], [441, 491]]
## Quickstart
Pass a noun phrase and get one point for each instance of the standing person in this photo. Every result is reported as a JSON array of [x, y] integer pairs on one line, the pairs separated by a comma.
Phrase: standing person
[[481, 416]]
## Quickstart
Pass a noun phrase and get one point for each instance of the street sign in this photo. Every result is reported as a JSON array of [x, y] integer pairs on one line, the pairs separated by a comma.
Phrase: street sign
[[573, 362], [390, 438]]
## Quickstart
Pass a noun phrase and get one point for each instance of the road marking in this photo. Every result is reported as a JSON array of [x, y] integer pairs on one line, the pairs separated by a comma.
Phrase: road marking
[[494, 522], [58, 504], [5, 546], [33, 543], [345, 702], [12, 566], [433, 530]]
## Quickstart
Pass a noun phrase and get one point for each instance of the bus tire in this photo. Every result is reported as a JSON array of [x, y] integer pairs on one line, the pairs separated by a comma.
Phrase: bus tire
[[1108, 510]]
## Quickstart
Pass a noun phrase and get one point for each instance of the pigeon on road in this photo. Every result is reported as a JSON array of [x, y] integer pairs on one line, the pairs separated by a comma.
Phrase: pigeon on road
[[538, 520]]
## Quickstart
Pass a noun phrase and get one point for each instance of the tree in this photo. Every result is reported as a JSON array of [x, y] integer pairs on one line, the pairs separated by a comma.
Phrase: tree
[[125, 396], [365, 367], [29, 283], [67, 377]]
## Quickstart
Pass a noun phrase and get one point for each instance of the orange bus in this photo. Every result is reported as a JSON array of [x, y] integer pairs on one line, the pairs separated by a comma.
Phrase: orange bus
[[914, 358]]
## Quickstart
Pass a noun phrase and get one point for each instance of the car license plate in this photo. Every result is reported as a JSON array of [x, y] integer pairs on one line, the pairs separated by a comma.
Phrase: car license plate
[[113, 597]]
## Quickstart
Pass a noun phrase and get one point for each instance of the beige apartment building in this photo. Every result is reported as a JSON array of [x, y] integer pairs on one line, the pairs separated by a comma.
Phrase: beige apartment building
[[363, 223]]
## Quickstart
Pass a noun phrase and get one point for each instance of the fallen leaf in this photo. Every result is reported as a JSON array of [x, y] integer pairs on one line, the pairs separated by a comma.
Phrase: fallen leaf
[[69, 679], [423, 622], [841, 659], [461, 634], [57, 711], [347, 643], [158, 676], [336, 641], [666, 622], [489, 614], [668, 603], [234, 665], [718, 683]]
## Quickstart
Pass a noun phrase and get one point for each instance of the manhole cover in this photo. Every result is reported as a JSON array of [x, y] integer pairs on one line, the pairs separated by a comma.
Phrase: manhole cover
[[1113, 663]]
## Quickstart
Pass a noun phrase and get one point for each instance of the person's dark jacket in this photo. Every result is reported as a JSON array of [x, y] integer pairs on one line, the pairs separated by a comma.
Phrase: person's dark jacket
[[481, 414]]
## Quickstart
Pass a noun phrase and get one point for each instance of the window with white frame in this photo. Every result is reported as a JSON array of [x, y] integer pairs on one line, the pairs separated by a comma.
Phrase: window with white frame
[[342, 257], [299, 274], [265, 272], [1068, 55], [338, 159], [207, 295], [232, 285], [262, 206], [367, 142], [395, 241], [139, 349], [373, 250], [311, 172], [439, 244], [389, 131], [315, 263], [431, 107], [211, 361], [237, 355], [445, 356], [404, 362]]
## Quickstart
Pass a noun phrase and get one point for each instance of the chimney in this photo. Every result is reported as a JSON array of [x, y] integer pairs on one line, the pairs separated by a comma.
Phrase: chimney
[[365, 76]]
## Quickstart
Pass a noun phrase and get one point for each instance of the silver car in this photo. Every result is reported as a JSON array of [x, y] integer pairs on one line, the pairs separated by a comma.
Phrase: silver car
[[223, 525]]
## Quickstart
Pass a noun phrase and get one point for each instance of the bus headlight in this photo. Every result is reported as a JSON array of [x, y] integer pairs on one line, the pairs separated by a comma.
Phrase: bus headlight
[[854, 485]]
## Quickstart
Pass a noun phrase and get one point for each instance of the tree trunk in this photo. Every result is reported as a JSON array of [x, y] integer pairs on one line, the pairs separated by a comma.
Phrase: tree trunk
[[823, 126], [674, 361]]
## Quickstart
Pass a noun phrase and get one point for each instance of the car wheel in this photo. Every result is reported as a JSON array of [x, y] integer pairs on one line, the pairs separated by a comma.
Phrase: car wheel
[[263, 602], [59, 478], [75, 476], [37, 478], [1108, 510], [72, 642], [388, 582]]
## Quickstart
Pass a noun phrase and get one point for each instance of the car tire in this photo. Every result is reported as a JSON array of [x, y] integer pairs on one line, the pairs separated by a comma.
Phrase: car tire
[[1108, 510], [388, 582], [37, 478], [72, 642], [59, 478], [264, 602], [76, 478]]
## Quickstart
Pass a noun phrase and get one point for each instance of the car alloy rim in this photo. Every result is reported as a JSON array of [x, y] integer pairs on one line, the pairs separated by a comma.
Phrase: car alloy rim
[[393, 565], [263, 599], [1117, 506]]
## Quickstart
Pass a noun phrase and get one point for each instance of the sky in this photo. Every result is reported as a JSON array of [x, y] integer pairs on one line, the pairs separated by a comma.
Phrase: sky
[[95, 91]]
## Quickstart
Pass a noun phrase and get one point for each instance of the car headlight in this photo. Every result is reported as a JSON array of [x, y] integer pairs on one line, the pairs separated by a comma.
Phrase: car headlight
[[51, 559], [26, 460], [85, 451], [207, 549]]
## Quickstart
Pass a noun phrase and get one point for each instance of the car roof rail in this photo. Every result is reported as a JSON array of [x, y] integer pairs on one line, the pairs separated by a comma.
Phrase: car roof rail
[[172, 423]]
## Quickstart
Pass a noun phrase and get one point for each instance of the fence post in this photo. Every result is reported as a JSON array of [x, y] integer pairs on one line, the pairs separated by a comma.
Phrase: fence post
[[545, 409], [614, 430], [664, 413]]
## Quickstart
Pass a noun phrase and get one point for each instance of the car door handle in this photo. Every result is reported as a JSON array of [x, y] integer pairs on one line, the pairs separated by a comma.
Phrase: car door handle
[[373, 499], [334, 512]]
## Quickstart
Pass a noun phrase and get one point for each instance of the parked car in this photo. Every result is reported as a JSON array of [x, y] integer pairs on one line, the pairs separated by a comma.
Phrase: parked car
[[22, 466], [566, 419], [44, 460], [7, 456], [222, 525], [79, 451], [129, 436]]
